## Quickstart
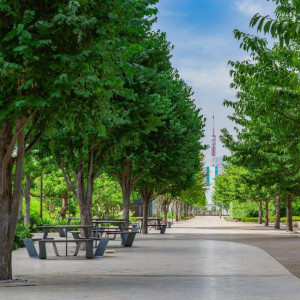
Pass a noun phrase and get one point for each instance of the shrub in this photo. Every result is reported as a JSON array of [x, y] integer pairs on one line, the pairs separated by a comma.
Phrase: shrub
[[295, 218], [242, 210], [22, 232]]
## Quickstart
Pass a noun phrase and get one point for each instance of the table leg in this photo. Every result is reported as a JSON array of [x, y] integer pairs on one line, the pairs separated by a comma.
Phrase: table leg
[[96, 235], [45, 233], [66, 241]]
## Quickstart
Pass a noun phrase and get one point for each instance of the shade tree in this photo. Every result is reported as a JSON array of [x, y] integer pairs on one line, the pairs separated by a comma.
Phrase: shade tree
[[48, 56]]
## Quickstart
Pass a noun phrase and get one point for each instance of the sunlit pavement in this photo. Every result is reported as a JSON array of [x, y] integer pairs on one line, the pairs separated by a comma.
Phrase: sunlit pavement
[[204, 258]]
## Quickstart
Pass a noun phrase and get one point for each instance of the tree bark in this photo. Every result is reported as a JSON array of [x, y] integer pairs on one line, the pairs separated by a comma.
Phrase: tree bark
[[157, 209], [10, 190], [289, 217], [146, 196], [41, 196], [63, 210], [164, 209], [176, 210], [260, 221], [27, 201], [127, 182], [185, 209], [20, 213], [107, 211], [267, 212], [277, 214], [181, 210]]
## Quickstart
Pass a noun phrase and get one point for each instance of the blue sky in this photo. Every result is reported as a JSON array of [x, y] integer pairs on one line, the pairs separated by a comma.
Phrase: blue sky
[[202, 33]]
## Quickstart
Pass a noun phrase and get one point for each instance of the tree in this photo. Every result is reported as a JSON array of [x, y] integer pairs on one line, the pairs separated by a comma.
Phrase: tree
[[286, 25], [173, 149], [267, 111], [83, 138], [145, 112], [48, 55]]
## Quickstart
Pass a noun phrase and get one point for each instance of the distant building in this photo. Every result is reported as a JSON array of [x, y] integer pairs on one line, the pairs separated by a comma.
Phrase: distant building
[[137, 208], [213, 170]]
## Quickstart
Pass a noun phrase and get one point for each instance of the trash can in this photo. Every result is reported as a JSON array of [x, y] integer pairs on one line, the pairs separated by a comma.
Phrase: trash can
[[169, 224], [163, 228]]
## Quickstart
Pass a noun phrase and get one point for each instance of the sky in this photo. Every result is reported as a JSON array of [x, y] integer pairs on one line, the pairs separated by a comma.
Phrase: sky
[[202, 33]]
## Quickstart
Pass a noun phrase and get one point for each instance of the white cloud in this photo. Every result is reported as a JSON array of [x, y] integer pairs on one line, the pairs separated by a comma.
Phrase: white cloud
[[251, 7]]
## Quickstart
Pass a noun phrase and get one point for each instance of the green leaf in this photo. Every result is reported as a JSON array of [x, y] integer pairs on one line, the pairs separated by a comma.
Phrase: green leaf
[[113, 16], [267, 26], [20, 48], [21, 103], [274, 29]]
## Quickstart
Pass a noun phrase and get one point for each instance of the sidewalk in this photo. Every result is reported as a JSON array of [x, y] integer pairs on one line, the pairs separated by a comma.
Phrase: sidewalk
[[204, 258]]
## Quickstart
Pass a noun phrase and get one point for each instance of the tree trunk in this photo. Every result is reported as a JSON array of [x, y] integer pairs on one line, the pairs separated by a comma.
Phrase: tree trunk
[[176, 210], [157, 210], [20, 213], [85, 200], [260, 221], [41, 196], [107, 211], [63, 210], [185, 210], [69, 206], [289, 217], [10, 190], [27, 201], [181, 210], [164, 209], [146, 196], [127, 183], [277, 217], [267, 212]]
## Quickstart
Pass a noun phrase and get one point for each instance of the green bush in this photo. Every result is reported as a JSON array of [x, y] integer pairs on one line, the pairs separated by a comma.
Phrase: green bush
[[186, 218], [271, 219], [241, 210], [250, 220], [295, 218], [22, 232]]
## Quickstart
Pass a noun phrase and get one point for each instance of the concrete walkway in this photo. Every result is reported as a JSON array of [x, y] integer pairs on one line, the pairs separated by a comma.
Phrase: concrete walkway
[[193, 260]]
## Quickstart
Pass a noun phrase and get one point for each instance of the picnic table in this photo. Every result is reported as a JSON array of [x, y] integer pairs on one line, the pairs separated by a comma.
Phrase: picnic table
[[76, 239], [65, 229], [153, 220], [127, 236], [119, 222]]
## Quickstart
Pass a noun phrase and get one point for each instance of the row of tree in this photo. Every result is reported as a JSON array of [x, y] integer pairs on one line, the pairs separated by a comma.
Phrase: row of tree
[[91, 88], [265, 161]]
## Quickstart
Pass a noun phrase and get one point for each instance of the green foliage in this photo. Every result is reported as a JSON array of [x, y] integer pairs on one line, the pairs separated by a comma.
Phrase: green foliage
[[271, 219], [22, 232], [285, 26], [186, 218], [294, 218], [267, 107], [242, 210], [195, 195]]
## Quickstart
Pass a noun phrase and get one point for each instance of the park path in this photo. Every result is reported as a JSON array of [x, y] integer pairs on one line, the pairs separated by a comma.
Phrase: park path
[[196, 259]]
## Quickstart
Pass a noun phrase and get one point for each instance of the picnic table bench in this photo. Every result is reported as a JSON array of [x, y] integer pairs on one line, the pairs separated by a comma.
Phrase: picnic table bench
[[127, 237], [155, 223], [29, 243]]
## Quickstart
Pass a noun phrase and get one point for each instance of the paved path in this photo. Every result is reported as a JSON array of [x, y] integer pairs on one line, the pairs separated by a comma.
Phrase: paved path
[[191, 261]]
